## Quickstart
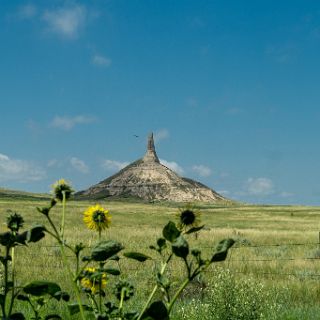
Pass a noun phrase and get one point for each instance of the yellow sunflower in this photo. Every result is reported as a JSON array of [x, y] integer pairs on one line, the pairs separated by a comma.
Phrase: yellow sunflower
[[92, 280], [62, 186], [188, 217], [97, 218]]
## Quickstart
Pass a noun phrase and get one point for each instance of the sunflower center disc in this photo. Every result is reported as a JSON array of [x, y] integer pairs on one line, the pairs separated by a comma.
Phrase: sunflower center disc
[[99, 217], [187, 217]]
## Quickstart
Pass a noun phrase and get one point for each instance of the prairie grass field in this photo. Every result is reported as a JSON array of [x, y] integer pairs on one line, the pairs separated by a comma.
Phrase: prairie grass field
[[272, 272]]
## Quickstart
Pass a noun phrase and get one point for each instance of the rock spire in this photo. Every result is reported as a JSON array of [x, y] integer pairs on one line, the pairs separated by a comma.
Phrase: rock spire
[[149, 180], [151, 155]]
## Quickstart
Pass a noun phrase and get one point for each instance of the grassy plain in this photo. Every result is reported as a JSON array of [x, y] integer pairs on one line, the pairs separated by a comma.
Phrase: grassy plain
[[277, 247]]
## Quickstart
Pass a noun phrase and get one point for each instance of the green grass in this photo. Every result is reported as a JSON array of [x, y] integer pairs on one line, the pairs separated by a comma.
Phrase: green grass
[[284, 271]]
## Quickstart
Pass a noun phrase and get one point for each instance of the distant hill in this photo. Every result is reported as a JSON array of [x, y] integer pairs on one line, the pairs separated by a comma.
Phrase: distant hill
[[15, 194], [149, 180]]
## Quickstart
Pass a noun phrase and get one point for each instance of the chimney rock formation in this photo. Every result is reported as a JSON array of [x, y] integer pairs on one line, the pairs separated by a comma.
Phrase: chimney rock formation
[[148, 179]]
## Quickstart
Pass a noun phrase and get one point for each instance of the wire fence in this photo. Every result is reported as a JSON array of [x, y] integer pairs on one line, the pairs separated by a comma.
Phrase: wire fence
[[238, 260]]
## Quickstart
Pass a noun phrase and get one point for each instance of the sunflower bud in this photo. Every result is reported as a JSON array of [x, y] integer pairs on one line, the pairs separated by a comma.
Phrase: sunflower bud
[[15, 222], [61, 189]]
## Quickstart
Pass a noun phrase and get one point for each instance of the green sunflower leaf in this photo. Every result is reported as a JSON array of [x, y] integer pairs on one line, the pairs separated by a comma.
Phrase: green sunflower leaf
[[113, 271], [36, 233], [161, 242], [40, 288], [170, 231], [6, 239], [22, 238], [114, 258], [194, 229], [105, 250], [62, 295], [17, 316], [180, 247], [137, 256], [222, 250], [23, 297]]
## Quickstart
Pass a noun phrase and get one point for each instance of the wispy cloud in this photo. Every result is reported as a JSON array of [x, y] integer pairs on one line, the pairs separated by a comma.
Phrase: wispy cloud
[[285, 194], [173, 166], [67, 123], [161, 135], [202, 170], [113, 165], [53, 163], [19, 170], [101, 61], [79, 165], [259, 186], [27, 11], [66, 21]]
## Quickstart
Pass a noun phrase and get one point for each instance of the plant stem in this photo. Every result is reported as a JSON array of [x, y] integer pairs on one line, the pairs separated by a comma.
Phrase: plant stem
[[100, 280], [184, 284], [71, 276], [164, 266], [188, 267], [63, 214], [121, 303], [6, 272], [77, 276], [93, 301], [60, 239], [13, 278], [77, 268], [56, 233], [100, 287], [33, 309]]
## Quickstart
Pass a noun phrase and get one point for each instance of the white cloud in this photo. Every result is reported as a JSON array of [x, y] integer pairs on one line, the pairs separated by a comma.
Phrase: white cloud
[[52, 163], [67, 123], [260, 186], [66, 21], [114, 165], [161, 134], [19, 170], [101, 61], [202, 170], [27, 11], [79, 165], [3, 157], [173, 166], [285, 194]]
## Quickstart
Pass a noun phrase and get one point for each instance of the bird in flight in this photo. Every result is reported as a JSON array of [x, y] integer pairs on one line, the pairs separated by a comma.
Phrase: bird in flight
[[136, 136]]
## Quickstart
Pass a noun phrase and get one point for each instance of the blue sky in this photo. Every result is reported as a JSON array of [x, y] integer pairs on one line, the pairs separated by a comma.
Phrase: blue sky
[[230, 89]]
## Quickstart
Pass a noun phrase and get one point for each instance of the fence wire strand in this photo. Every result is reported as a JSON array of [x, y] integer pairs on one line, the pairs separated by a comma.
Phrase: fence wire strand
[[230, 260]]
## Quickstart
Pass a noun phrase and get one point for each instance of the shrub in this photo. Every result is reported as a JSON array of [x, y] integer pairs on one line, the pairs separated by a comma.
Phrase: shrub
[[227, 298]]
